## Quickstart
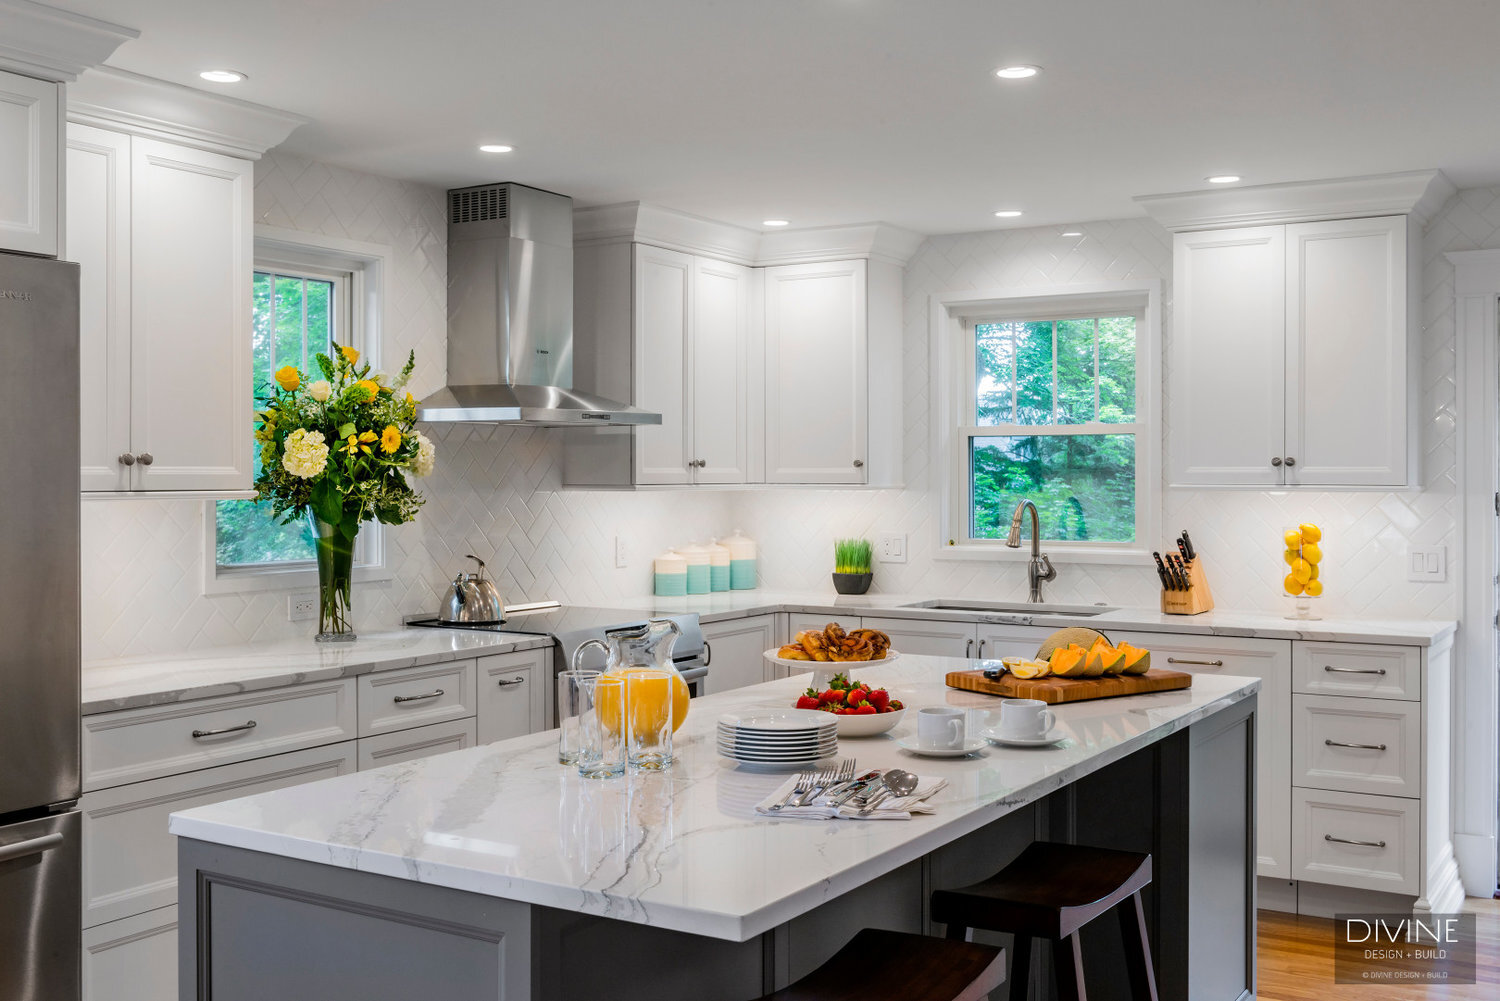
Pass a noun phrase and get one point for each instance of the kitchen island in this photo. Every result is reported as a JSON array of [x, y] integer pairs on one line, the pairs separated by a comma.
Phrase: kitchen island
[[494, 872]]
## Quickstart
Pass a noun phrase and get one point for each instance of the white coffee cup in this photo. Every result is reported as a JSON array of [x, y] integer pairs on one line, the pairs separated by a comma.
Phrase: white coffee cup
[[940, 728], [1021, 719]]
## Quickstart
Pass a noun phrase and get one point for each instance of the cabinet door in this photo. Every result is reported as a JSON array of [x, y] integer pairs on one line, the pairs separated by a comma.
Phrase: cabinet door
[[98, 181], [816, 388], [28, 164], [929, 637], [1226, 381], [191, 259], [1271, 662], [996, 641], [721, 371], [1346, 343], [512, 694], [663, 364], [736, 652], [133, 959]]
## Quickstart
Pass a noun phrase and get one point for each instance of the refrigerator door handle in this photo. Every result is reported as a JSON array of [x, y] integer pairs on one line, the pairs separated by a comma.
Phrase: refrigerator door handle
[[31, 846]]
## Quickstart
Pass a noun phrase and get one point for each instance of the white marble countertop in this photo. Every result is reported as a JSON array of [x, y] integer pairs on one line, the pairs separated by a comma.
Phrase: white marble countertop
[[128, 682], [681, 850]]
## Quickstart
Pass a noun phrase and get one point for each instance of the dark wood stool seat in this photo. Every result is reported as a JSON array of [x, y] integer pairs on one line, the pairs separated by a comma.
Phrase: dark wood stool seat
[[1051, 891], [896, 966]]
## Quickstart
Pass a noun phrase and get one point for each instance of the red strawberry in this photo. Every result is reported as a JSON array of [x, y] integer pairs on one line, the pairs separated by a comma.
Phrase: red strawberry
[[865, 710], [896, 704], [856, 696], [808, 702], [880, 699], [845, 711], [833, 696]]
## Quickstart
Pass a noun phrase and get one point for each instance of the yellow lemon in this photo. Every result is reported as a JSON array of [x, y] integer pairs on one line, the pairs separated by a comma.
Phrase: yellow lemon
[[1302, 570], [1314, 588], [1314, 573], [1291, 556], [1293, 538], [1028, 669], [1292, 584], [1312, 552], [1309, 532]]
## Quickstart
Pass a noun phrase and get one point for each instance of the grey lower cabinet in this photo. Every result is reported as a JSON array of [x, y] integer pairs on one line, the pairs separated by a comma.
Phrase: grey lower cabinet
[[736, 652]]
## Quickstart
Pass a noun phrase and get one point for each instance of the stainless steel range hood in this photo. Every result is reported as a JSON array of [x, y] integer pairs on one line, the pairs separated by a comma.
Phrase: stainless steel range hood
[[510, 315]]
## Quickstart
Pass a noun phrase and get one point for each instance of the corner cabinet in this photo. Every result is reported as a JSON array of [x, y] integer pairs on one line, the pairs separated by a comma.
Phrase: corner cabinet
[[29, 124], [1290, 355], [164, 236]]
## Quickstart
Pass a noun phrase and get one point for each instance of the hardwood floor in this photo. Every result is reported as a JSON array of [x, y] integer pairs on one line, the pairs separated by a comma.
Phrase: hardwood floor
[[1295, 957]]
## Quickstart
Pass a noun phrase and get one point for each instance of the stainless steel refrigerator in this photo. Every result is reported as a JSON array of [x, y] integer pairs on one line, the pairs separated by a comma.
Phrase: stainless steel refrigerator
[[39, 630]]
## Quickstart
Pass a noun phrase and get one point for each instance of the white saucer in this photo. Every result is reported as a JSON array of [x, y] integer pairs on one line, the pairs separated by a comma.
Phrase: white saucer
[[1050, 737], [969, 747]]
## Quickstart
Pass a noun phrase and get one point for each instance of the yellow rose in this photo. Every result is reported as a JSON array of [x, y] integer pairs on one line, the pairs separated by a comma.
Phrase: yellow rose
[[289, 378], [371, 388], [390, 439], [350, 355]]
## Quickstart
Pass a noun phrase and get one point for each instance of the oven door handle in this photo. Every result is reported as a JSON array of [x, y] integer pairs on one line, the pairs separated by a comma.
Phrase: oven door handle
[[694, 674]]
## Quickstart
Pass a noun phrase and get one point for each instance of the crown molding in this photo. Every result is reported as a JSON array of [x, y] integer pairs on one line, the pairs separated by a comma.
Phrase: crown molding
[[145, 106], [54, 44], [641, 222], [1417, 193]]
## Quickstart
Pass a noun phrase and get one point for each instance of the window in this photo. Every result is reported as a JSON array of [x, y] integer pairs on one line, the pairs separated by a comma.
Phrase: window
[[1052, 401]]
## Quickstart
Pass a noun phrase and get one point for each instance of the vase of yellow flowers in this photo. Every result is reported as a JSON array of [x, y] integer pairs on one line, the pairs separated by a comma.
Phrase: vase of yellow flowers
[[337, 450]]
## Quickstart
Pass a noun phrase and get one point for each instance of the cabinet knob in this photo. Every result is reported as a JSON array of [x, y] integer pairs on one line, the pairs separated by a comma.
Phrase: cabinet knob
[[146, 458], [859, 463], [126, 459], [1289, 461], [1276, 460]]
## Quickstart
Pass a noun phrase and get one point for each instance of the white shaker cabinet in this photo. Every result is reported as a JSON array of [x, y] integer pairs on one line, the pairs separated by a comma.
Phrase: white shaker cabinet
[[662, 319], [735, 651], [515, 694], [726, 372], [29, 168], [164, 237]]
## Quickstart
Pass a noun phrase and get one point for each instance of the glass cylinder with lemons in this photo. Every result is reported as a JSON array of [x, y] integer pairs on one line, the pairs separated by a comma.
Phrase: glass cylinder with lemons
[[1303, 555]]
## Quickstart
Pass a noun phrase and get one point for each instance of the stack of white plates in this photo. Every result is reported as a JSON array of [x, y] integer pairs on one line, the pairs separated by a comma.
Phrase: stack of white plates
[[778, 736]]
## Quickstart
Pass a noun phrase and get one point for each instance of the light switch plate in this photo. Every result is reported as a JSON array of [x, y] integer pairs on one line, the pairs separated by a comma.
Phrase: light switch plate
[[622, 552], [892, 548], [1429, 566]]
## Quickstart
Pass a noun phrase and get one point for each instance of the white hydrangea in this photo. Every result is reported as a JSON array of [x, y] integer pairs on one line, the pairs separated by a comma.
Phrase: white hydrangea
[[306, 453], [320, 390], [426, 456]]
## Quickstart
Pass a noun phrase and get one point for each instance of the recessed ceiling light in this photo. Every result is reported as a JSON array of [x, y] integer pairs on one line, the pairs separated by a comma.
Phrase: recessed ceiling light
[[776, 222], [222, 76], [1222, 178], [1072, 232], [1017, 72], [1007, 213], [496, 148]]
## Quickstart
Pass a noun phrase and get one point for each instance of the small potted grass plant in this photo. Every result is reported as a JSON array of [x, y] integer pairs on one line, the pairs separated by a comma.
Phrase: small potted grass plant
[[851, 566]]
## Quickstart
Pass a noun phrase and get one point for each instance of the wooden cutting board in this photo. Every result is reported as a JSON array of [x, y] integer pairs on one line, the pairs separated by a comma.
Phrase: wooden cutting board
[[1058, 690]]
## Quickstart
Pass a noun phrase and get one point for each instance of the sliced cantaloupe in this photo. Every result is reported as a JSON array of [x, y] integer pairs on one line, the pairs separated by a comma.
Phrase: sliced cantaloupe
[[1068, 661], [1136, 660], [1103, 658], [1073, 635]]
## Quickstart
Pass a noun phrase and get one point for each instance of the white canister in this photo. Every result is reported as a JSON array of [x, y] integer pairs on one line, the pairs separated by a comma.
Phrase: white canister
[[718, 566], [697, 568], [742, 560], [671, 574]]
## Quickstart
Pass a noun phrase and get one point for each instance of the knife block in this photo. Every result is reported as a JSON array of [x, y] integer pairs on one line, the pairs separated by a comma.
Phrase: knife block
[[1197, 598]]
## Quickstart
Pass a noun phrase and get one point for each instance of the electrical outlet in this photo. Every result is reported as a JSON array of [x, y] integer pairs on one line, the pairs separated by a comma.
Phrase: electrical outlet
[[892, 547], [1429, 566], [622, 553], [301, 607]]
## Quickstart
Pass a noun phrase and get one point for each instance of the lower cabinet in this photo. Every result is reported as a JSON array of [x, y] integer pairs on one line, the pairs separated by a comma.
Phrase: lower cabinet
[[928, 637], [515, 694], [132, 959], [407, 745], [735, 651]]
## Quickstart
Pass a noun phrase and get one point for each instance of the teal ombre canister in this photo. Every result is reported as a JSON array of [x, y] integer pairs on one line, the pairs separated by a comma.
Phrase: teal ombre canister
[[671, 574], [719, 573], [743, 571], [698, 568]]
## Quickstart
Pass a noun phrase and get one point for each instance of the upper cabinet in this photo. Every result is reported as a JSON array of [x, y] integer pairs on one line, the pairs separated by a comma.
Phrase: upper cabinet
[[29, 209], [163, 236], [1290, 355]]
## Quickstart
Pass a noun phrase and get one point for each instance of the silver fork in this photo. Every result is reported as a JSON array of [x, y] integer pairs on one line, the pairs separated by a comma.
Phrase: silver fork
[[827, 777], [804, 781]]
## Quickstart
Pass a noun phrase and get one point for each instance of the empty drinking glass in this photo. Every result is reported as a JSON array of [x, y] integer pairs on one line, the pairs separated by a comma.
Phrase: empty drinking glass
[[572, 703], [648, 699], [602, 728]]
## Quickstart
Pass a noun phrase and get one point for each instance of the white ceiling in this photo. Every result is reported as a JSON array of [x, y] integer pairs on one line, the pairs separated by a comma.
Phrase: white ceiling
[[841, 111]]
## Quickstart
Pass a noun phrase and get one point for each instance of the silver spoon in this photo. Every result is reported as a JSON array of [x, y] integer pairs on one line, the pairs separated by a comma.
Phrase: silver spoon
[[896, 783]]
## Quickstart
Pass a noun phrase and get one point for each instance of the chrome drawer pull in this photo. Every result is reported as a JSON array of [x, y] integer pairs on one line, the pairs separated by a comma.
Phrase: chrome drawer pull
[[1200, 663], [1362, 747], [228, 729], [1347, 841], [1353, 670], [517, 680], [435, 693], [31, 846]]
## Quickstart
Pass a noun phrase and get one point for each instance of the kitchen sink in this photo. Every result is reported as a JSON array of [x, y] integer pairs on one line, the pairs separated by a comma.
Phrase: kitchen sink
[[1010, 607]]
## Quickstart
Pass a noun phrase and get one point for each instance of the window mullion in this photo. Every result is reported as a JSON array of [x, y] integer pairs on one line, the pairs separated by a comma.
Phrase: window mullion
[[1054, 372], [1096, 369]]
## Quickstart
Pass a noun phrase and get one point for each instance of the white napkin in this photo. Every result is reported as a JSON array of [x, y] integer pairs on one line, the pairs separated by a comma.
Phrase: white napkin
[[893, 808]]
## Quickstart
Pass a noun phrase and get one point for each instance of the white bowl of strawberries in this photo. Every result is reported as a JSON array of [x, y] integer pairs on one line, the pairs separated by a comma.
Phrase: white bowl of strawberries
[[861, 711]]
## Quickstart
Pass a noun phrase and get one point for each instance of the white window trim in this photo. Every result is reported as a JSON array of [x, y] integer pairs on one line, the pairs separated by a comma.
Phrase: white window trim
[[368, 267], [949, 314]]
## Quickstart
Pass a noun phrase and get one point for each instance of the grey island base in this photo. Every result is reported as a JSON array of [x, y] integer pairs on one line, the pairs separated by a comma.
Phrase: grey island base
[[495, 873]]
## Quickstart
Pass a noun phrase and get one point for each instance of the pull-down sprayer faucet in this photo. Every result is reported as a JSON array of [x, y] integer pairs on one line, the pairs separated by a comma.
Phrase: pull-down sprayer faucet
[[1038, 568]]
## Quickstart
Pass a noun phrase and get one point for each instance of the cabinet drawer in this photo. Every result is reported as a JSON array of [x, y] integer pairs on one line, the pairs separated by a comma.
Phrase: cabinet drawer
[[138, 744], [418, 742], [129, 859], [1357, 745], [514, 696], [1385, 851], [415, 696], [133, 959], [1363, 669]]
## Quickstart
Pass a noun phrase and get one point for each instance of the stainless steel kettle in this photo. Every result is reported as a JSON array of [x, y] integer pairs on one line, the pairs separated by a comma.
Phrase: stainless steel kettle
[[473, 600]]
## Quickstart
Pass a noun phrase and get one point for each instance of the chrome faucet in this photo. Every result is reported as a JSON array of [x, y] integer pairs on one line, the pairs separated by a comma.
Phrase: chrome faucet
[[1038, 568]]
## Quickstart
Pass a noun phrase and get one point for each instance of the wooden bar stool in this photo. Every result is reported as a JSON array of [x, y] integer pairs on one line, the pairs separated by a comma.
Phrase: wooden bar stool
[[896, 966], [1051, 891]]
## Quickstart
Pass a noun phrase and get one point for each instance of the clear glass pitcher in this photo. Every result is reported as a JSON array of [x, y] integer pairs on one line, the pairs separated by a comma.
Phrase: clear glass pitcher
[[646, 647], [648, 644]]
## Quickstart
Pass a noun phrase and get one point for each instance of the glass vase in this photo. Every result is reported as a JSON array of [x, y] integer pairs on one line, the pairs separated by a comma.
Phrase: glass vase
[[335, 574]]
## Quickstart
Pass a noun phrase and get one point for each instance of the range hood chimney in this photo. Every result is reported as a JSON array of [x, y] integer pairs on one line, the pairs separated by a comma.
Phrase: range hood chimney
[[510, 315]]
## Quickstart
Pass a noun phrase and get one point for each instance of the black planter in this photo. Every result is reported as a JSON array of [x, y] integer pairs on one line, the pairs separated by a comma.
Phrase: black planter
[[852, 583]]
